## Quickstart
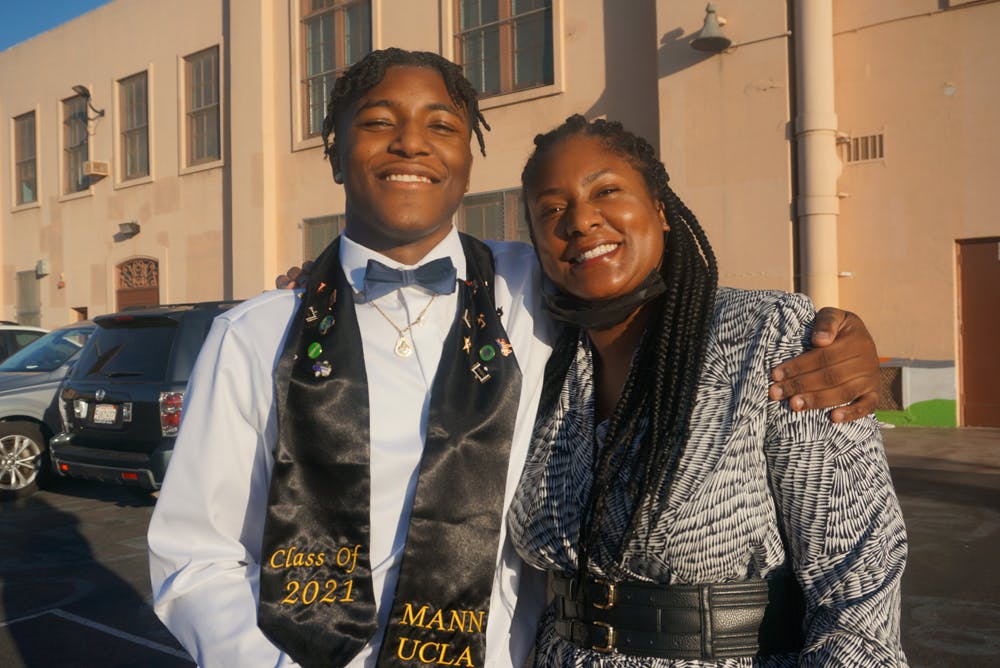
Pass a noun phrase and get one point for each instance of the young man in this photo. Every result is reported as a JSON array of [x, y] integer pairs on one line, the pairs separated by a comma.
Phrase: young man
[[336, 495]]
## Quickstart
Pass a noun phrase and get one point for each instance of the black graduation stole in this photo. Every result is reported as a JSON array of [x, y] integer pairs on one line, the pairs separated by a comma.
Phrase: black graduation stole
[[316, 597]]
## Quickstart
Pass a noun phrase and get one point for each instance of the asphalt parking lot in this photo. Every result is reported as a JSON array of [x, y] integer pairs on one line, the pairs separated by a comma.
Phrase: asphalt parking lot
[[74, 586], [74, 581]]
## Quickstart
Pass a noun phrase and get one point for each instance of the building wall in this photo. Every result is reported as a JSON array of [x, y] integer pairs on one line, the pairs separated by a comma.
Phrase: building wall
[[920, 72], [725, 135], [179, 213], [924, 74]]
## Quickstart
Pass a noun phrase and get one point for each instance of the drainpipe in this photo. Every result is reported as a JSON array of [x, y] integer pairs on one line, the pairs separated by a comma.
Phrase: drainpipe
[[816, 138]]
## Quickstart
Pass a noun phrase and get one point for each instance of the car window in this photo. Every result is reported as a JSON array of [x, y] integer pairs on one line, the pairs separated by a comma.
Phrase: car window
[[130, 353], [48, 352], [24, 338]]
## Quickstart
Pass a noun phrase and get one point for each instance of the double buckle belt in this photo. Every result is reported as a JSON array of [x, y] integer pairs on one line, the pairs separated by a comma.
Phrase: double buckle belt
[[710, 621]]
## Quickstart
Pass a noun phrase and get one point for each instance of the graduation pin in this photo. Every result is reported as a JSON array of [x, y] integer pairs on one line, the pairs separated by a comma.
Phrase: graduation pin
[[481, 372], [505, 347]]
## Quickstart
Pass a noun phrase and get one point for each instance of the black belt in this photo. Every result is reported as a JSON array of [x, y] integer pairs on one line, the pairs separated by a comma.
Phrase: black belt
[[710, 621]]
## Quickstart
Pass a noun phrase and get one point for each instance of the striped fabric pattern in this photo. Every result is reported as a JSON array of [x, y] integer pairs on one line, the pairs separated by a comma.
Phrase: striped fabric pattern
[[751, 473]]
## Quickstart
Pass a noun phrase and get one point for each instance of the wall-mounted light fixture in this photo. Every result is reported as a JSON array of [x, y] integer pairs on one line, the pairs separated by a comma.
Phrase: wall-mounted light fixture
[[84, 92], [711, 38], [128, 230]]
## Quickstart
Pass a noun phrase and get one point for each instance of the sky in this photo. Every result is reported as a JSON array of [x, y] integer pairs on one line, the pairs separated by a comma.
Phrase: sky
[[21, 20]]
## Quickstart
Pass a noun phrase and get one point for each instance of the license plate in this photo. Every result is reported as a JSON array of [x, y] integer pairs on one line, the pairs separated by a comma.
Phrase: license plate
[[105, 413]]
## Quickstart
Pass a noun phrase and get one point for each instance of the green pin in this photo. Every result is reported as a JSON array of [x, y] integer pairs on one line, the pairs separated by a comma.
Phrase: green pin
[[486, 353], [314, 350]]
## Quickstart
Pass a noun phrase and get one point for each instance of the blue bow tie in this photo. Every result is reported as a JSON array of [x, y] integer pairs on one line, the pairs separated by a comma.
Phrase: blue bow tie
[[437, 276]]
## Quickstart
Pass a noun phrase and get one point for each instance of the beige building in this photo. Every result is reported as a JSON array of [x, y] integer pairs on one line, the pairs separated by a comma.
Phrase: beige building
[[842, 147]]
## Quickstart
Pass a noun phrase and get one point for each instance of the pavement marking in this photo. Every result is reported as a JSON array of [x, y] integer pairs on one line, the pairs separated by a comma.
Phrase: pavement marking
[[111, 631]]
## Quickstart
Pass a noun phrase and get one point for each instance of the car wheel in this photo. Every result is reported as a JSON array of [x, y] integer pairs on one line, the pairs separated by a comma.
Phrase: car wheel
[[24, 459]]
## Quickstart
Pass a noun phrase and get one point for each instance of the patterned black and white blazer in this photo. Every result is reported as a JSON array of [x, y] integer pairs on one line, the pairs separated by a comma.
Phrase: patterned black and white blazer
[[751, 472]]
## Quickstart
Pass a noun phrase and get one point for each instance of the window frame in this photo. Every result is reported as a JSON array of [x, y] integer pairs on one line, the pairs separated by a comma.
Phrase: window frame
[[70, 155], [509, 91], [339, 219], [338, 10], [513, 213], [18, 143], [299, 138], [188, 162], [124, 130]]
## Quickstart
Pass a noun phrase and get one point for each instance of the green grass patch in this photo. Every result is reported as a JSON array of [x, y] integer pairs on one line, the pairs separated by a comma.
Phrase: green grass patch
[[933, 413]]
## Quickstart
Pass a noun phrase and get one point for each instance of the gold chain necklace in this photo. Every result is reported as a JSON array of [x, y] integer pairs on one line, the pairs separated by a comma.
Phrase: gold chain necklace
[[403, 347]]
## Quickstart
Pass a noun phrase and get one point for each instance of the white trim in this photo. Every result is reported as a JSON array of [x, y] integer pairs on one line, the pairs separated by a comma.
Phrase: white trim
[[182, 165], [69, 197], [12, 142], [61, 144], [298, 140], [116, 141]]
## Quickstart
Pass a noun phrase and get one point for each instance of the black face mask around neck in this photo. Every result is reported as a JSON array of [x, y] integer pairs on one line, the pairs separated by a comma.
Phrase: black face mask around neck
[[604, 313]]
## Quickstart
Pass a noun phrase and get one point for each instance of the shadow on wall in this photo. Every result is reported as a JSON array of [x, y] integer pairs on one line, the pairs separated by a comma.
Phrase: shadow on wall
[[633, 66], [675, 53]]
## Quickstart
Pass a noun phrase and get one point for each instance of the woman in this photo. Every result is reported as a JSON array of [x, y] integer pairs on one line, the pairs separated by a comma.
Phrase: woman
[[671, 502]]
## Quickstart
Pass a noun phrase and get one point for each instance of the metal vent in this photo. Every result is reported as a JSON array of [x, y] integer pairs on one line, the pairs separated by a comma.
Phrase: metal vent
[[863, 149]]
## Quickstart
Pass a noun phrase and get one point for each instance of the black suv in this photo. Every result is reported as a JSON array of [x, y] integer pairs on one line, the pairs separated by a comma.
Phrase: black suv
[[121, 403]]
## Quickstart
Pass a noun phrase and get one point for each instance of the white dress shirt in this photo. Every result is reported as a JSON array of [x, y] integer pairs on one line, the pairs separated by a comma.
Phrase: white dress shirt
[[205, 534]]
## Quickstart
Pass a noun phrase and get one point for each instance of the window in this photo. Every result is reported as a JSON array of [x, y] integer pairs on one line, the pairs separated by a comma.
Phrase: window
[[319, 232], [494, 216], [335, 35], [505, 45], [75, 147], [25, 170], [29, 305], [134, 110], [202, 76]]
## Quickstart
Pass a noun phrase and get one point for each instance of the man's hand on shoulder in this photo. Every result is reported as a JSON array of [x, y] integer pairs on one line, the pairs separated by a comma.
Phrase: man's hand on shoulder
[[841, 370], [295, 277]]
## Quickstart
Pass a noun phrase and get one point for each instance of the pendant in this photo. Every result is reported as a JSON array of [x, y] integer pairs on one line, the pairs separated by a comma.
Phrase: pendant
[[403, 347]]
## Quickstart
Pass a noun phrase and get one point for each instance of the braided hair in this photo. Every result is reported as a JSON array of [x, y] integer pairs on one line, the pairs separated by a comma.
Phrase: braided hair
[[659, 394], [368, 72]]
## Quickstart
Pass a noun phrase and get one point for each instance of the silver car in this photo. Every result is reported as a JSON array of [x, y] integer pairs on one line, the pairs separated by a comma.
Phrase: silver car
[[29, 413]]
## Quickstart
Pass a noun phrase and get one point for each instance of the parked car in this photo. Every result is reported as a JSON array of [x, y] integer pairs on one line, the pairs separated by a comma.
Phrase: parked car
[[29, 416], [121, 404], [13, 337]]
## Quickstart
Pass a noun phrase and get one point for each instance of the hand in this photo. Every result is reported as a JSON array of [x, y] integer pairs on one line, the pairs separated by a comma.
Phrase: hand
[[843, 368], [295, 277]]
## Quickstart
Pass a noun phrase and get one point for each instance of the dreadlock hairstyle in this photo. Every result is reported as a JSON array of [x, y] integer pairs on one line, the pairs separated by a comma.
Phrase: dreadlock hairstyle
[[368, 72], [659, 392]]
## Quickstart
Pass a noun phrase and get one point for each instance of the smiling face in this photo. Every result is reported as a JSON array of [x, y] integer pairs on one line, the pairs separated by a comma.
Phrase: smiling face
[[404, 158], [597, 229]]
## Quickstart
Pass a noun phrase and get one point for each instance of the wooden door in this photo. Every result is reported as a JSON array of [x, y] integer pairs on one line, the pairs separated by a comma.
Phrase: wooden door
[[979, 322]]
